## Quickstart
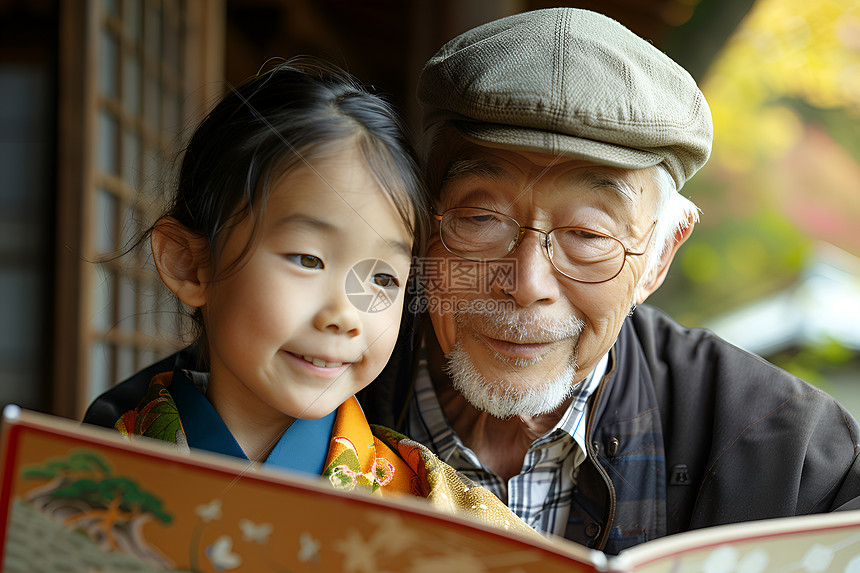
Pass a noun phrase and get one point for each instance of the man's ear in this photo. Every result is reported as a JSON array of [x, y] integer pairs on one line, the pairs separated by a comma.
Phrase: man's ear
[[682, 233], [182, 259]]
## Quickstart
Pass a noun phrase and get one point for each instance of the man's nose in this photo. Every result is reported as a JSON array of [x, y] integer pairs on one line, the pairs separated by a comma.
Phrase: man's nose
[[536, 278]]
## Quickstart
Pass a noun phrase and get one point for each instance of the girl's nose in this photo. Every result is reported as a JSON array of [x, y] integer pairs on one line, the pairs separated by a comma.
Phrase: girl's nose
[[339, 316]]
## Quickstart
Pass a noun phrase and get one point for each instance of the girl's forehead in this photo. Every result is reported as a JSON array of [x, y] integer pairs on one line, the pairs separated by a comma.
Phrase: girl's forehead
[[333, 179], [339, 190]]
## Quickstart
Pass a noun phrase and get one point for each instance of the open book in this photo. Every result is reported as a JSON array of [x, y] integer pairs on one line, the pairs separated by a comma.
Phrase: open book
[[76, 498]]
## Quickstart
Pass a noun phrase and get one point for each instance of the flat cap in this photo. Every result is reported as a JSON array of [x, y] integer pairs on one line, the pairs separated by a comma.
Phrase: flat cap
[[572, 82]]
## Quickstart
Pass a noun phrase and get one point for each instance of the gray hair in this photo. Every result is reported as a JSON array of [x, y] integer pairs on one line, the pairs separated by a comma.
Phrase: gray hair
[[673, 212]]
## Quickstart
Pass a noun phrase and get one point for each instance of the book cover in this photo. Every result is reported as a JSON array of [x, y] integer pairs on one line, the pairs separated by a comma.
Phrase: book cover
[[76, 498]]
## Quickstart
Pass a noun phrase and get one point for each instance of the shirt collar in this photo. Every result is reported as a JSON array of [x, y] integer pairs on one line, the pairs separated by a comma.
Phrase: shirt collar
[[576, 425], [303, 447]]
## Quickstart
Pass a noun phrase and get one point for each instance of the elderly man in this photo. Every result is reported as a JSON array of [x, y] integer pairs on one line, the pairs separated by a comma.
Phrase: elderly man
[[557, 144]]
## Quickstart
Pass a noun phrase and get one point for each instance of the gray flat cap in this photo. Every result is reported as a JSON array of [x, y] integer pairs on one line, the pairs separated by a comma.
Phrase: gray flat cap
[[569, 81]]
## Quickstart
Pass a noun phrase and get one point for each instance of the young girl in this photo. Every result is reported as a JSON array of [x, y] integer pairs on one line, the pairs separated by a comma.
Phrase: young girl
[[297, 210]]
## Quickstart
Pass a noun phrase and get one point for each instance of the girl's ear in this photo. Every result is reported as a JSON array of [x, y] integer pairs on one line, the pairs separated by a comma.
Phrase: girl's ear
[[182, 259], [681, 235]]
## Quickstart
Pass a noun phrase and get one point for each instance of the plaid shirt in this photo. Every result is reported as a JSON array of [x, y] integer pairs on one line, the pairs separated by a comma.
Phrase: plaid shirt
[[541, 493]]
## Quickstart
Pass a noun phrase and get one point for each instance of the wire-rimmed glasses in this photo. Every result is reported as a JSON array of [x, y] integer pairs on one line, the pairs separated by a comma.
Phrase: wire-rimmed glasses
[[580, 254]]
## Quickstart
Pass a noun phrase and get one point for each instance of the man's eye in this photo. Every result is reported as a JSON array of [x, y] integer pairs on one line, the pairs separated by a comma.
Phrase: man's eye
[[307, 261], [385, 280], [586, 234]]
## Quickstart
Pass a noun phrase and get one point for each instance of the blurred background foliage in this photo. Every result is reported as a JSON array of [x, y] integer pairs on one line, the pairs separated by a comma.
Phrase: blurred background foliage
[[782, 187]]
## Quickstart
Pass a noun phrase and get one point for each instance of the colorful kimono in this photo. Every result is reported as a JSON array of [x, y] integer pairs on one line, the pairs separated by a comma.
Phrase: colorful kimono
[[359, 457]]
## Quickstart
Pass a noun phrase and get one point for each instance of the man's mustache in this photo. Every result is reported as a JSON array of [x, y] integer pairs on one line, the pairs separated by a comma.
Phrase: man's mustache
[[524, 327]]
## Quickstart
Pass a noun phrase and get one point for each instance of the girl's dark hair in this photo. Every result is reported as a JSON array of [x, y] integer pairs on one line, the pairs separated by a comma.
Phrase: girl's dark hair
[[282, 118]]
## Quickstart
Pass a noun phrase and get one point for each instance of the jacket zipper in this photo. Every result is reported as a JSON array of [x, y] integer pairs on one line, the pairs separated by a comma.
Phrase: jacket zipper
[[592, 457]]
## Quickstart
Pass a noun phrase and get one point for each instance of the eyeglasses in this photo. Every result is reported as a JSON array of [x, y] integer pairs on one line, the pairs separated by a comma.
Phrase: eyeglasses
[[580, 254]]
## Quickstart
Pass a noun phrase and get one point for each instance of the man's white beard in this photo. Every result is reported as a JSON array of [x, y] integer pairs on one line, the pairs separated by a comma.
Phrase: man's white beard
[[502, 398]]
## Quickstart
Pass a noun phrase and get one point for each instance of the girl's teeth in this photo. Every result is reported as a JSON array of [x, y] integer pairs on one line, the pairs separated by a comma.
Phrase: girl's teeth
[[319, 362]]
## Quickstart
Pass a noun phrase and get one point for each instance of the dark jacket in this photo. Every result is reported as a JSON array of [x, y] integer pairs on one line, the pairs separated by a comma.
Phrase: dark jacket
[[685, 431], [688, 431]]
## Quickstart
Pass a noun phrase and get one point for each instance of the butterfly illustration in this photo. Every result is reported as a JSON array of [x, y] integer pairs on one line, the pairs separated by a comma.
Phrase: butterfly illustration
[[254, 532], [310, 547], [210, 511], [220, 553]]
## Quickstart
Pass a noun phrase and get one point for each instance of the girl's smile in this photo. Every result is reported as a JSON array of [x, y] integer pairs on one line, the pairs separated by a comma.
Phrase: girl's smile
[[318, 362]]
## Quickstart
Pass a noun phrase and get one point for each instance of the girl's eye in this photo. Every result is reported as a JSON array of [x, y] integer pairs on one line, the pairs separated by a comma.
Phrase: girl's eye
[[385, 280], [307, 261]]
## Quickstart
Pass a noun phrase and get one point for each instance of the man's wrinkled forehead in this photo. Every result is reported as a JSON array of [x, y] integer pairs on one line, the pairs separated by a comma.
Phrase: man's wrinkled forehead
[[476, 163]]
